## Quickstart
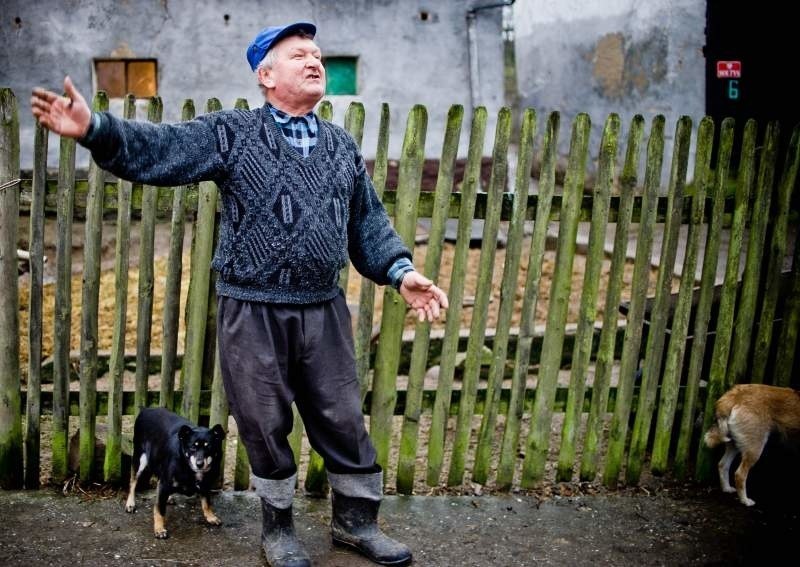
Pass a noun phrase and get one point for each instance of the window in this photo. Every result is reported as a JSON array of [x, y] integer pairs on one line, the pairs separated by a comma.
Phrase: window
[[118, 77], [341, 72]]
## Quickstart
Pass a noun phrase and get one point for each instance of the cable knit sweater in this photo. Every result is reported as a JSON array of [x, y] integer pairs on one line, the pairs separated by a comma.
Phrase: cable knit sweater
[[288, 222]]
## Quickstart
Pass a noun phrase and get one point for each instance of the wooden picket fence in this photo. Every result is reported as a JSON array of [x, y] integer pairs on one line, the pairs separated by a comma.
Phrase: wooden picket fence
[[743, 330]]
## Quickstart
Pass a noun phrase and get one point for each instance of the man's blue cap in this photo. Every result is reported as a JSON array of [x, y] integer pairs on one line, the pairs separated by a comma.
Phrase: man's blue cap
[[268, 37]]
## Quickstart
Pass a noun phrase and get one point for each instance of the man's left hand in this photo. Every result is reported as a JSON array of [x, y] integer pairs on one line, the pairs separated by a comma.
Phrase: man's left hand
[[422, 295]]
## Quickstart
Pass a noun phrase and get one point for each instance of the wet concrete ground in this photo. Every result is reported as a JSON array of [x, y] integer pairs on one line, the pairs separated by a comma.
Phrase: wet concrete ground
[[666, 527]]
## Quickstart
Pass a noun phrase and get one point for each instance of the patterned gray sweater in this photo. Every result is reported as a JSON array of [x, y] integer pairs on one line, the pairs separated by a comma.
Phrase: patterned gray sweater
[[288, 222]]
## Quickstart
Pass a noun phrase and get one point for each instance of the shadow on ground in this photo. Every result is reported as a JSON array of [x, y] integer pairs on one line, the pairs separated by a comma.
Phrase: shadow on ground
[[666, 526]]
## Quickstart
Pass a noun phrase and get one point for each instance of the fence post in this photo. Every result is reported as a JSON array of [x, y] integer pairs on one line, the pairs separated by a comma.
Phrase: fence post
[[727, 303], [63, 309], [552, 347], [112, 467], [660, 312], [477, 333], [444, 388], [384, 387], [516, 406], [703, 315], [172, 287], [633, 330], [10, 419], [601, 198], [608, 336], [670, 383]]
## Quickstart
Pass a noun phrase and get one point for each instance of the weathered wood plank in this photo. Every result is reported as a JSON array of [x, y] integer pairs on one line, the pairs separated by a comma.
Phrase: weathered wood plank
[[722, 341], [62, 316], [197, 302], [455, 294], [607, 163], [538, 441], [89, 308], [680, 321], [547, 178], [387, 358], [508, 288], [703, 315], [112, 464], [486, 266], [633, 333], [172, 286], [656, 337], [606, 354], [419, 356]]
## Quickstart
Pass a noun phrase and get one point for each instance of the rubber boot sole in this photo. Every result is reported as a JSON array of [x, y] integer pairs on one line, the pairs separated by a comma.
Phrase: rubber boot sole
[[349, 545]]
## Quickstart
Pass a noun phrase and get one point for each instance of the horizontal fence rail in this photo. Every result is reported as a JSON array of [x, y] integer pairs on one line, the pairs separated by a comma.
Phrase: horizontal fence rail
[[592, 338]]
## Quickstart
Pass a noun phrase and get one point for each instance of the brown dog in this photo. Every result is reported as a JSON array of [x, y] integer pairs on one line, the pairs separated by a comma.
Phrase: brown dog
[[746, 415]]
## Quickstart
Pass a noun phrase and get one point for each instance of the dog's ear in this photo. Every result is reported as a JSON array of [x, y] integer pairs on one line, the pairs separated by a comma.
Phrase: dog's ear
[[184, 432], [218, 432]]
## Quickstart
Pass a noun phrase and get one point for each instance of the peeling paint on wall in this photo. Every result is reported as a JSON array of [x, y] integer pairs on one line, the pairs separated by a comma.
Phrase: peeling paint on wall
[[620, 70], [609, 64]]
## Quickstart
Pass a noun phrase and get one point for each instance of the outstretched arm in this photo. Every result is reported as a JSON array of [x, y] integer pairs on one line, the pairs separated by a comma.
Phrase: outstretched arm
[[422, 295], [68, 115]]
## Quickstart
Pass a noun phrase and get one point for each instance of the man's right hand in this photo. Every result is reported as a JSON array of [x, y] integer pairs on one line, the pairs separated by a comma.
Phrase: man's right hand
[[68, 116]]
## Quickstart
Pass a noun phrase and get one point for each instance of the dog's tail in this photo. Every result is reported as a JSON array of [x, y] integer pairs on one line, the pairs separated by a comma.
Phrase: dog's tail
[[717, 433]]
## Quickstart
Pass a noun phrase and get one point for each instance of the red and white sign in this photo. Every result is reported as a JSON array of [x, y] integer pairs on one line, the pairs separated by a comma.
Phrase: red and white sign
[[729, 69]]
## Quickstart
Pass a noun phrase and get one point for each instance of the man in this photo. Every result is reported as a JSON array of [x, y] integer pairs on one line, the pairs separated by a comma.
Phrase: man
[[296, 202]]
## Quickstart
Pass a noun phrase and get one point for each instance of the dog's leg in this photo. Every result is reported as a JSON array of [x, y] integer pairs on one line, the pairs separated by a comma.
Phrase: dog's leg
[[159, 512], [724, 467], [208, 513], [130, 505], [750, 455]]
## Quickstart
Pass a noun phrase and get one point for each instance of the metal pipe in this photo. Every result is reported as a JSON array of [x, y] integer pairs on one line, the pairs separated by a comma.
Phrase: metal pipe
[[472, 49]]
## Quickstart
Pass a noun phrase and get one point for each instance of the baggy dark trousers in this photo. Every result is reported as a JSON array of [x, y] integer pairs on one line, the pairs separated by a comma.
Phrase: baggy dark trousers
[[274, 354]]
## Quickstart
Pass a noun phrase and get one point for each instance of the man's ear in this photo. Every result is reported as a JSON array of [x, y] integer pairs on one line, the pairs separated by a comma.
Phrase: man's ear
[[265, 77]]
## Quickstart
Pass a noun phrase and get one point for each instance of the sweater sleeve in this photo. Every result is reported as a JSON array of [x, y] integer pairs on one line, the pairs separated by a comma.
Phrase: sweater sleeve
[[157, 154], [374, 245]]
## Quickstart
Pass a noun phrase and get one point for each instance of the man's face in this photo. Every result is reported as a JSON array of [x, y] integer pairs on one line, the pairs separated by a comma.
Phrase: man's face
[[297, 77]]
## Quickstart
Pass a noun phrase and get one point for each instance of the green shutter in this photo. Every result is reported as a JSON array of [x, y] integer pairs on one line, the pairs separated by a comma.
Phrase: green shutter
[[341, 73]]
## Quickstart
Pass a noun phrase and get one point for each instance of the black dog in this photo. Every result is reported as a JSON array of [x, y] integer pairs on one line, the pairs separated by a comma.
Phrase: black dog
[[184, 458]]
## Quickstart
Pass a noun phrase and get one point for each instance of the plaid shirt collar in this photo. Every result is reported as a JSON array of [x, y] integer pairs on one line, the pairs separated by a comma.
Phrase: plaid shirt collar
[[299, 131]]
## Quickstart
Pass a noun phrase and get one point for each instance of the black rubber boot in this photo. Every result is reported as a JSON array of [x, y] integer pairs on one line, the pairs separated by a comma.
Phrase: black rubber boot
[[278, 539], [355, 524]]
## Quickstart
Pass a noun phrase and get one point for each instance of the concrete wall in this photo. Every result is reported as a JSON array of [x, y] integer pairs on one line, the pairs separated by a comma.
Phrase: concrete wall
[[404, 57], [604, 56]]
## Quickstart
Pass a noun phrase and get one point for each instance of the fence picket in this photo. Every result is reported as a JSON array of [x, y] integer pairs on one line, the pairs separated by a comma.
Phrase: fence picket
[[477, 333], [197, 302], [596, 420], [508, 288], [633, 331], [670, 382], [773, 280], [703, 315], [89, 306], [419, 355], [722, 341], [444, 387], [62, 316], [354, 124], [656, 336], [601, 198], [11, 471], [387, 357], [753, 269], [144, 306], [172, 287], [539, 435], [547, 181], [112, 464]]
